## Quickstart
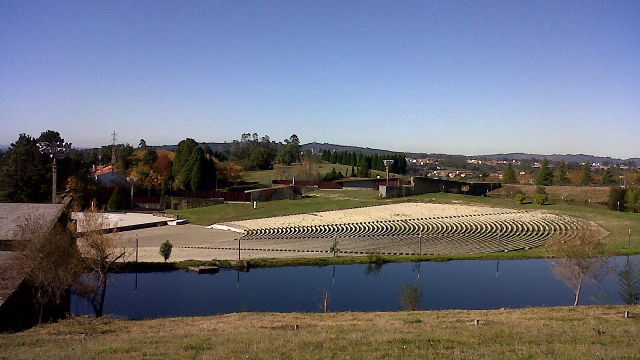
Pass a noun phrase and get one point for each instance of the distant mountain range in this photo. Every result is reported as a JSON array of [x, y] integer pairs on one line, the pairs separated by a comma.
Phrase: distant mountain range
[[319, 147], [579, 158]]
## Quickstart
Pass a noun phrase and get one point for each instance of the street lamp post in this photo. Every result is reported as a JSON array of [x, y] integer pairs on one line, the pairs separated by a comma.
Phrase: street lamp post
[[387, 163], [55, 150], [131, 180]]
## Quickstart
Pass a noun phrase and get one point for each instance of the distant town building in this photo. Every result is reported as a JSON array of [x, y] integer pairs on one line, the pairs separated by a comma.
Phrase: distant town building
[[107, 176]]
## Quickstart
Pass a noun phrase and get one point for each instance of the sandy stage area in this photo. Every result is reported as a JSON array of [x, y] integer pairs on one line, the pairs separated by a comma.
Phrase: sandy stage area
[[401, 211]]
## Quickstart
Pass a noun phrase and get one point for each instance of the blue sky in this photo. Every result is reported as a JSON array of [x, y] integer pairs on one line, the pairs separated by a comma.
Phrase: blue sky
[[431, 76]]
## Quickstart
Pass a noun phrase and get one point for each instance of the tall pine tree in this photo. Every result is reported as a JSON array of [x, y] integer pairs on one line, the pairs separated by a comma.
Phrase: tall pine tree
[[545, 174], [509, 175]]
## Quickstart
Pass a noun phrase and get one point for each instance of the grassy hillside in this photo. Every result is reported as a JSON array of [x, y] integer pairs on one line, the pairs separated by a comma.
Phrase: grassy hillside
[[584, 332], [301, 172], [580, 194]]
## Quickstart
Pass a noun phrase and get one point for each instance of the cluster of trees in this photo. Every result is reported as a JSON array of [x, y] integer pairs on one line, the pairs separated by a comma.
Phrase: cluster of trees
[[366, 162], [193, 167], [559, 175], [254, 153], [26, 173], [624, 199], [333, 175]]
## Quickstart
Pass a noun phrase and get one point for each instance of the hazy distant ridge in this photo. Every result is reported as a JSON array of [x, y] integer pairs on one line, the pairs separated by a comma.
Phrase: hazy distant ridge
[[318, 147]]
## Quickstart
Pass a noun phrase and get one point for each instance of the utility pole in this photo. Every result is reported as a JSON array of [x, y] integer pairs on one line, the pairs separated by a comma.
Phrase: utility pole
[[113, 149], [55, 151]]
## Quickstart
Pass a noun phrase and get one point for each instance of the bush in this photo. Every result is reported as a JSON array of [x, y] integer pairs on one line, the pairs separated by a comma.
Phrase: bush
[[521, 197], [541, 199], [165, 250], [616, 198], [540, 189], [118, 200]]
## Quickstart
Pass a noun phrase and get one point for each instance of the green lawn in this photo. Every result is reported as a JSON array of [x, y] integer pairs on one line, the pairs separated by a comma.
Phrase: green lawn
[[583, 332], [243, 211], [287, 172]]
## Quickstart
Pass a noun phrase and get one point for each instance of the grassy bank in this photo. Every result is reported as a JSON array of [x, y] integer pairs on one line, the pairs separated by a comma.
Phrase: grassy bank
[[324, 261], [585, 332]]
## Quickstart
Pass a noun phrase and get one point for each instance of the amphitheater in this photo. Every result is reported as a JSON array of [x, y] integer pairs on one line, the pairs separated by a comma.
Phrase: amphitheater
[[402, 229]]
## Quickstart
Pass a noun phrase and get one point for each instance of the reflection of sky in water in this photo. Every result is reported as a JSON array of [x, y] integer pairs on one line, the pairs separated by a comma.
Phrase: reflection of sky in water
[[468, 284]]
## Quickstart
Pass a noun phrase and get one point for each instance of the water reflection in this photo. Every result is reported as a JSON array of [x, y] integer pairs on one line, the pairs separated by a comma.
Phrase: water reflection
[[93, 288], [374, 269], [629, 282], [469, 284], [575, 271], [411, 296]]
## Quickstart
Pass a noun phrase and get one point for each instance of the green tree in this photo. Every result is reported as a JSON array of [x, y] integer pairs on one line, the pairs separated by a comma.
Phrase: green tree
[[118, 200], [545, 174], [202, 169], [333, 158], [290, 152], [363, 167], [560, 176], [586, 177], [608, 178], [26, 173], [183, 155], [165, 250], [509, 175], [632, 199], [616, 200], [149, 157]]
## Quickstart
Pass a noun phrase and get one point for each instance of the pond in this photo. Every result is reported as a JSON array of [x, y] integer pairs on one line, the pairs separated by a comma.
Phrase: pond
[[464, 284]]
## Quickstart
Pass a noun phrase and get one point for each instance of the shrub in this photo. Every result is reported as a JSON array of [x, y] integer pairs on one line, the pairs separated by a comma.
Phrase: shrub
[[521, 197], [118, 200], [165, 250], [541, 199], [616, 198]]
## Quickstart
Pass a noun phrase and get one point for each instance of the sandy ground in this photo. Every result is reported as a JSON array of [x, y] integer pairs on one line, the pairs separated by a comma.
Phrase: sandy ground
[[200, 243], [372, 213], [149, 241]]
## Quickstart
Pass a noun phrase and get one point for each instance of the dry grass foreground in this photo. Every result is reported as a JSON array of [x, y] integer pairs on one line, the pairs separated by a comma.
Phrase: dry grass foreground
[[585, 332]]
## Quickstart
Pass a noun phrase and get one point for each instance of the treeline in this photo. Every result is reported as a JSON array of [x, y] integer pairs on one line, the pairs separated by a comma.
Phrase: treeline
[[366, 162], [560, 174], [26, 172]]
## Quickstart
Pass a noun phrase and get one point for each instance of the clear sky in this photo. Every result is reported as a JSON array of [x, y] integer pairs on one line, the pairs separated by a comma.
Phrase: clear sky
[[431, 76]]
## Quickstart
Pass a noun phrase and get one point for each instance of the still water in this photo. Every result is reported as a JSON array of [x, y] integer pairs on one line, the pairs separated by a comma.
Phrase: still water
[[466, 284]]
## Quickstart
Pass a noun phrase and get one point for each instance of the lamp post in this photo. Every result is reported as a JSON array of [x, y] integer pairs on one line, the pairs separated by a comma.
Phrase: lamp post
[[55, 150], [387, 163], [131, 180]]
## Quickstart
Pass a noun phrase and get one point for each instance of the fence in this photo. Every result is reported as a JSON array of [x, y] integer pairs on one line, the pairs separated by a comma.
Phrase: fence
[[319, 184]]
